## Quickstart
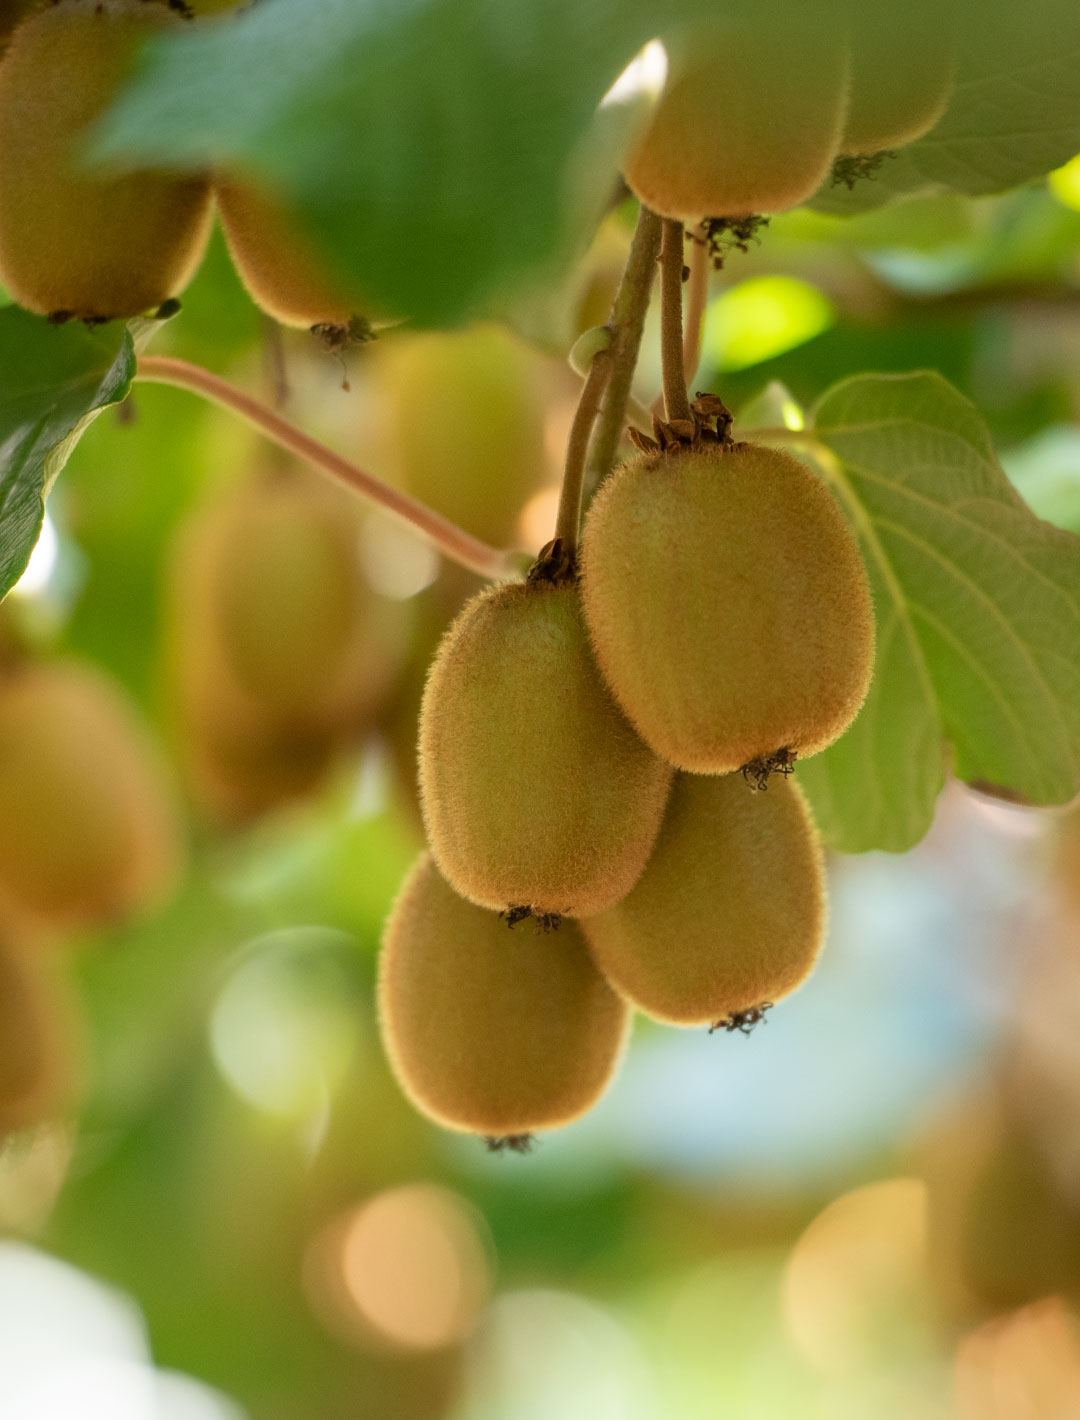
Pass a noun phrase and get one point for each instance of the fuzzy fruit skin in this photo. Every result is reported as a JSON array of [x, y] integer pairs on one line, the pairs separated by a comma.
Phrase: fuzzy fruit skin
[[728, 605], [902, 70], [281, 654], [749, 121], [730, 912], [89, 832], [82, 243], [462, 420], [491, 1030], [536, 792], [275, 261], [35, 1030]]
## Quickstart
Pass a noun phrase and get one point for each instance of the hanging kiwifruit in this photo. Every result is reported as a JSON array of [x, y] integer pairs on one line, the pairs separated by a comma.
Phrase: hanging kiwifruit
[[902, 63], [728, 606], [76, 242], [729, 914], [278, 264], [490, 1031], [462, 417], [750, 117], [282, 653], [536, 792], [35, 1037], [89, 831]]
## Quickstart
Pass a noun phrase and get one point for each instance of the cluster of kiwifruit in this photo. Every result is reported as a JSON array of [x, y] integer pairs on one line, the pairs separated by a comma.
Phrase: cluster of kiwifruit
[[762, 102], [90, 835], [94, 245], [280, 652], [590, 746]]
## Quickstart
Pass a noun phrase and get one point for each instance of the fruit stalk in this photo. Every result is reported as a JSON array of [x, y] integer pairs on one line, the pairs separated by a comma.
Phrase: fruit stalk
[[627, 324], [568, 518], [453, 542], [672, 265]]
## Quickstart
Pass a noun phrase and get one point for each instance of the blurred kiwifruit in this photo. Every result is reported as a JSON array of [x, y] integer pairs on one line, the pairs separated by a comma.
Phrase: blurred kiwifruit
[[536, 791], [36, 1025], [729, 914], [282, 654], [902, 63], [728, 606], [491, 1031], [74, 242], [279, 266], [462, 417], [749, 119], [12, 12], [89, 831]]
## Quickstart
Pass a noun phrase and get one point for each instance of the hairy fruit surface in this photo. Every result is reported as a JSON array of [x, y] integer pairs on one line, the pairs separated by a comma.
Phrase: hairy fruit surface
[[728, 606], [729, 914], [492, 1031]]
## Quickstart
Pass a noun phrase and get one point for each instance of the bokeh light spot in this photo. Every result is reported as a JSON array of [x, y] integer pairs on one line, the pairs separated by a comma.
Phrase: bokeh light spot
[[762, 318]]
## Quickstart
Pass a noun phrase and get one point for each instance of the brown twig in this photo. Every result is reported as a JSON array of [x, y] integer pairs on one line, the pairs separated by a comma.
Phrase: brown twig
[[451, 540], [568, 519], [672, 266], [627, 322]]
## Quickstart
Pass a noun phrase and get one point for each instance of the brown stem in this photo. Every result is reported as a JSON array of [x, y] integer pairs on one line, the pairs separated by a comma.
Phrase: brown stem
[[627, 322], [451, 540], [568, 518], [697, 296], [676, 402]]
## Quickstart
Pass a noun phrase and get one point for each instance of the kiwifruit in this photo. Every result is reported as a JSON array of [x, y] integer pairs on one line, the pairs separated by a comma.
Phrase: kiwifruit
[[281, 652], [462, 419], [750, 117], [728, 606], [89, 831], [12, 12], [35, 1030], [277, 262], [75, 242], [490, 1031], [536, 792], [902, 65], [729, 914]]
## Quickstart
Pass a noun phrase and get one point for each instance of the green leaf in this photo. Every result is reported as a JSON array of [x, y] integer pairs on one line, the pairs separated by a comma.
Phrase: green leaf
[[1014, 115], [427, 145], [53, 382], [978, 609]]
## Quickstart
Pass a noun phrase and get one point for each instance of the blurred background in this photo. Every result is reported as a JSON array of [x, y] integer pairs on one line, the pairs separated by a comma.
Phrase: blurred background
[[215, 1203]]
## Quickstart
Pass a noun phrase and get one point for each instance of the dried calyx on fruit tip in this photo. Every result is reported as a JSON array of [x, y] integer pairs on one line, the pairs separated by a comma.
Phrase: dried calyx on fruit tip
[[728, 606], [729, 915], [902, 73], [78, 243], [488, 1031], [280, 268], [538, 797], [90, 831], [750, 117]]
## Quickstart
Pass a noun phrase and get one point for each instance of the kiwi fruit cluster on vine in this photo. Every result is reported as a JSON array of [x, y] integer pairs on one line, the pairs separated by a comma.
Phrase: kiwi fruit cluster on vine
[[759, 103], [75, 241], [280, 654]]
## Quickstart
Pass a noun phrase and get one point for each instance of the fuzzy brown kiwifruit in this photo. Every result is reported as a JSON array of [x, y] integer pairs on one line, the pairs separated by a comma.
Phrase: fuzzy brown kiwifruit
[[77, 242], [462, 418], [902, 69], [281, 653], [728, 606], [36, 1026], [729, 914], [89, 830], [536, 791], [750, 117], [279, 265], [491, 1031]]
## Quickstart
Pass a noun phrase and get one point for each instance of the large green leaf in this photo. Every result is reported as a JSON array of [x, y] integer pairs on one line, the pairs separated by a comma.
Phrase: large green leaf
[[1014, 115], [53, 382], [428, 144], [978, 607]]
